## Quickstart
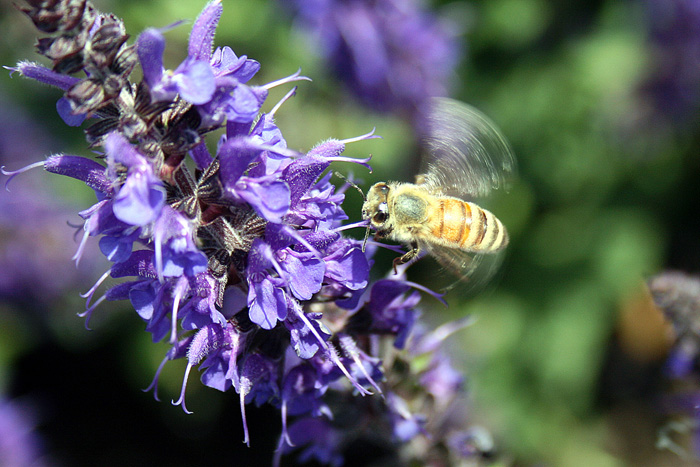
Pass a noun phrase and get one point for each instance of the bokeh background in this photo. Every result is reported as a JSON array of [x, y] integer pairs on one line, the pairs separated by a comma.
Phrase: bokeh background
[[599, 100]]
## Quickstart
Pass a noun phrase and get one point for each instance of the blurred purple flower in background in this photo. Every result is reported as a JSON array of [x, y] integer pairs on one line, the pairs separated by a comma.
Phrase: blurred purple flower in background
[[674, 34], [236, 256], [392, 54], [33, 222], [20, 445]]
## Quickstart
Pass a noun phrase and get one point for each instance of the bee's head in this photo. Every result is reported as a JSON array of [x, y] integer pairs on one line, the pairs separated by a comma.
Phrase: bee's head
[[375, 208]]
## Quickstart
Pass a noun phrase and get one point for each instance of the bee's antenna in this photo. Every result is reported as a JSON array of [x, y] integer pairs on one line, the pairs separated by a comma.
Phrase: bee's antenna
[[354, 185], [345, 179]]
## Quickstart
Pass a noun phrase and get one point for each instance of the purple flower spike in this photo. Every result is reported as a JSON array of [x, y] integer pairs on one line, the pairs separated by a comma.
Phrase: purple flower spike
[[225, 63], [241, 264]]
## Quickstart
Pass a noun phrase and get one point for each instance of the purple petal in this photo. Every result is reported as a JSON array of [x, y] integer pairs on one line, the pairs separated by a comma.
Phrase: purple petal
[[244, 105], [306, 274], [65, 111], [202, 36], [150, 47], [225, 63], [194, 81], [81, 168], [267, 304], [116, 249], [235, 156], [45, 75], [138, 201], [269, 198], [301, 175]]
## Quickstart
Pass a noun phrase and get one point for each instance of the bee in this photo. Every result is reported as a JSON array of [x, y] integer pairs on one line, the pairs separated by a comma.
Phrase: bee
[[466, 157]]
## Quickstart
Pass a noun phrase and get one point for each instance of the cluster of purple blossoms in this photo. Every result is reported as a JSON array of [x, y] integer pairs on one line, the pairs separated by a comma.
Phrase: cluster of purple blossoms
[[236, 258], [393, 54]]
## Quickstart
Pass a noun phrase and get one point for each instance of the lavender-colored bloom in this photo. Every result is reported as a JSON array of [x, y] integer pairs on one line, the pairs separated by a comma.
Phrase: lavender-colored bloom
[[33, 233], [674, 34], [141, 197], [392, 54], [320, 439], [20, 445], [193, 80], [240, 265]]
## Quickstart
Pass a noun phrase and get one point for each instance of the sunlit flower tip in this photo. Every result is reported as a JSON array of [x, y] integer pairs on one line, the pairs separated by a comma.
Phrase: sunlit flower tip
[[331, 149], [13, 173], [362, 361], [297, 76], [44, 75], [431, 341], [205, 341], [292, 92], [179, 350]]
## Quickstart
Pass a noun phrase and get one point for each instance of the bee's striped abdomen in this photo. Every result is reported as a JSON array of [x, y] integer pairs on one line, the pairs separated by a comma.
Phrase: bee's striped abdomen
[[466, 226]]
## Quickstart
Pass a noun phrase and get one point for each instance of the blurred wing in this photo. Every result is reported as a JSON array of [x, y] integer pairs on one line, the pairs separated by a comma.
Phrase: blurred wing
[[472, 271], [466, 155]]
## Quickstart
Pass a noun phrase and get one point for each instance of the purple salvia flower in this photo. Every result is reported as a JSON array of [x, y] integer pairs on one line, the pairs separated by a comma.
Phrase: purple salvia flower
[[20, 444], [142, 196], [193, 80], [241, 264], [393, 54], [175, 250], [266, 297], [674, 34]]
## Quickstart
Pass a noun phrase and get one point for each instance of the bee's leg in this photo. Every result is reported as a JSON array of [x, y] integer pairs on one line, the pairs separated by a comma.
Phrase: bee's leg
[[412, 253]]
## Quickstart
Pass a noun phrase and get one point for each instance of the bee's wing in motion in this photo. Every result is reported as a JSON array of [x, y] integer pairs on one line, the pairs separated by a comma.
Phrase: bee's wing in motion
[[470, 272], [465, 154]]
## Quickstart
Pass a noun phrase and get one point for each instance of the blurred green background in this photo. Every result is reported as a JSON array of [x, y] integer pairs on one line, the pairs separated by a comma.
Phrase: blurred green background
[[564, 359]]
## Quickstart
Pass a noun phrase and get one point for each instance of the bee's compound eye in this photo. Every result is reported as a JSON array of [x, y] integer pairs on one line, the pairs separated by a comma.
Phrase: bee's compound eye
[[384, 189], [380, 218]]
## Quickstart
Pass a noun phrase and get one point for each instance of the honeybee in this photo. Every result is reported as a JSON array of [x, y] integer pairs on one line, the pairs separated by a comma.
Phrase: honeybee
[[466, 157]]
